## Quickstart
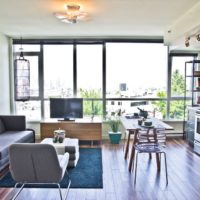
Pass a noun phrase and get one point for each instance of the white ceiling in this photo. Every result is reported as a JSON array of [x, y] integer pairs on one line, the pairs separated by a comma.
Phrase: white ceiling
[[109, 18]]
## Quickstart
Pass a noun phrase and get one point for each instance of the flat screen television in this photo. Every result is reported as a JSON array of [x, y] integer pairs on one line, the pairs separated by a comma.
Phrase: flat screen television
[[66, 108]]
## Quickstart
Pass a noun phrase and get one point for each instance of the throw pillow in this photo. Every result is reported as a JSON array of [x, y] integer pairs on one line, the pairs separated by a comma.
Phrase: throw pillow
[[2, 127]]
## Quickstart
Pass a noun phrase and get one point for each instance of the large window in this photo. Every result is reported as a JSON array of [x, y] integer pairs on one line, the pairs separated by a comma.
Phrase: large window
[[89, 77], [111, 77], [89, 71], [137, 70], [178, 75], [178, 85]]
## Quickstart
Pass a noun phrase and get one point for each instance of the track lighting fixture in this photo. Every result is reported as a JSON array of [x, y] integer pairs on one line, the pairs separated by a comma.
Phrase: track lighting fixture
[[187, 39]]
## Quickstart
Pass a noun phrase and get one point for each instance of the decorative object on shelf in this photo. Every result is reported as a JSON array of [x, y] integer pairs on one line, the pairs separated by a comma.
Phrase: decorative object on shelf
[[22, 77], [115, 133], [72, 14], [196, 73], [198, 84], [198, 100], [59, 136]]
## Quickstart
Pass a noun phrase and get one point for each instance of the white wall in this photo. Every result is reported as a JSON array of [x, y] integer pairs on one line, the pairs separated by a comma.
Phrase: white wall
[[4, 75]]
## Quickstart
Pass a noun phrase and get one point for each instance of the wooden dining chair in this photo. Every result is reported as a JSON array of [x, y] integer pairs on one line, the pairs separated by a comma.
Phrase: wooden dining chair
[[151, 141]]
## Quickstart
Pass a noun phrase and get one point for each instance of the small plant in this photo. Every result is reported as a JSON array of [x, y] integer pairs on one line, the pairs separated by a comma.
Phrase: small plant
[[114, 124], [115, 134]]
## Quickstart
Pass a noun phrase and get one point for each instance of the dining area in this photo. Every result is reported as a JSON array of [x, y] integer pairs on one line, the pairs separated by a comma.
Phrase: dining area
[[144, 135]]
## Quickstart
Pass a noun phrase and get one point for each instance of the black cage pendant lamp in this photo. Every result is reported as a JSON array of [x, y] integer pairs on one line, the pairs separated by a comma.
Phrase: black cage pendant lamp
[[22, 77]]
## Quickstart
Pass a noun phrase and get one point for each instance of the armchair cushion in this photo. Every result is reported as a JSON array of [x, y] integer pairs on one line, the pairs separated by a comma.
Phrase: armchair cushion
[[63, 160]]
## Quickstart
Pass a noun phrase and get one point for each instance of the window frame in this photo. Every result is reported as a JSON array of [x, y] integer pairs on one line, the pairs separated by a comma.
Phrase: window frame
[[170, 63], [103, 42]]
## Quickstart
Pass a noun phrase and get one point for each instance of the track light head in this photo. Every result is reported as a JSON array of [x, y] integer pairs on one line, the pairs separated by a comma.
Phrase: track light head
[[187, 41], [198, 37]]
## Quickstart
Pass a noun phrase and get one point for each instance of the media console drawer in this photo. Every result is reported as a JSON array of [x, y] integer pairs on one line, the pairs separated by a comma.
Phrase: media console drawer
[[88, 131]]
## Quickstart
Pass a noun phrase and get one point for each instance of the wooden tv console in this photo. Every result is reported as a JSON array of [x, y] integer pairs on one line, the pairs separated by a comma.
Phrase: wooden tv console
[[85, 130]]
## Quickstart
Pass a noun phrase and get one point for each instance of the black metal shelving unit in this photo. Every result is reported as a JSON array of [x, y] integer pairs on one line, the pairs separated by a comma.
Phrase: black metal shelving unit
[[191, 98]]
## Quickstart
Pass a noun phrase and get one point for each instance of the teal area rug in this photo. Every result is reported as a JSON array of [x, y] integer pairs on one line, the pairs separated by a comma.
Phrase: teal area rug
[[87, 173]]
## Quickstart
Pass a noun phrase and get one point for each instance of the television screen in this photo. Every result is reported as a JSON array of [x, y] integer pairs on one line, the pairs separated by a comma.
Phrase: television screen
[[67, 108]]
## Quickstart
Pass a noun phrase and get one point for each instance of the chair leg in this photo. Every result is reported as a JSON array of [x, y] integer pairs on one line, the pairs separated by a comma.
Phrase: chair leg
[[166, 168], [60, 192], [136, 162], [150, 156], [160, 159], [67, 186], [20, 189]]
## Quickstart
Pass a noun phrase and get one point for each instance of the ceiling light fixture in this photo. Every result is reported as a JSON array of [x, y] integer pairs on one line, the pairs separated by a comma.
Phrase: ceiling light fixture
[[72, 14]]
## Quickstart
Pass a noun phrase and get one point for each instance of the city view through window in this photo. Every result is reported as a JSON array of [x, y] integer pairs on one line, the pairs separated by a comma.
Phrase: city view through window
[[136, 75]]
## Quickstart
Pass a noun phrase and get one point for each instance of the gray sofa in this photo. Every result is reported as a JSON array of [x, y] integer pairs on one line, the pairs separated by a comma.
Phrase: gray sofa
[[13, 130]]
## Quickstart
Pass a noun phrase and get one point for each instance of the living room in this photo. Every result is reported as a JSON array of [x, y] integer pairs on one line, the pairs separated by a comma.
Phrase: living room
[[118, 58]]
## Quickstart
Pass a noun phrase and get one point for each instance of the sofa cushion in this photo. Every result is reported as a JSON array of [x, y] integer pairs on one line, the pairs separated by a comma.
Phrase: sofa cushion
[[9, 137], [2, 127]]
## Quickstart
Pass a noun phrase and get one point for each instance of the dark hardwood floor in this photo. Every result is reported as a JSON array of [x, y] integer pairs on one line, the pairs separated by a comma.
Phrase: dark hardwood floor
[[183, 172]]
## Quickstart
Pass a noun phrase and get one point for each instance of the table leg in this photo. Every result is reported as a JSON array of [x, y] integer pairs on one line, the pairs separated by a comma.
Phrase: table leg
[[132, 156], [158, 161], [127, 145]]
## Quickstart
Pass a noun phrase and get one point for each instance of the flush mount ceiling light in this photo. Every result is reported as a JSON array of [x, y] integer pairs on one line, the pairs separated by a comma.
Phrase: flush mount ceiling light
[[72, 14]]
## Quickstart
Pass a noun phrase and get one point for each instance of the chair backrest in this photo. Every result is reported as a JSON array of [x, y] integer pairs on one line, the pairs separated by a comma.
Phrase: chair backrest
[[156, 135], [34, 163]]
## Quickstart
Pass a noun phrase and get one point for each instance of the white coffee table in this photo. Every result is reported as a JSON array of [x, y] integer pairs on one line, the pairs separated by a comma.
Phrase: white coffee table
[[70, 145]]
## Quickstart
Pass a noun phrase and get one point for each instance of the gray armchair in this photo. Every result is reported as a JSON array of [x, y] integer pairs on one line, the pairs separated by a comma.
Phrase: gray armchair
[[37, 164]]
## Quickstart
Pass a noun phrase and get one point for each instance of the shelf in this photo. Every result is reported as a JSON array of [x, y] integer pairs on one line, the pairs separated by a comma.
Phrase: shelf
[[195, 76], [193, 90], [196, 105], [192, 83]]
